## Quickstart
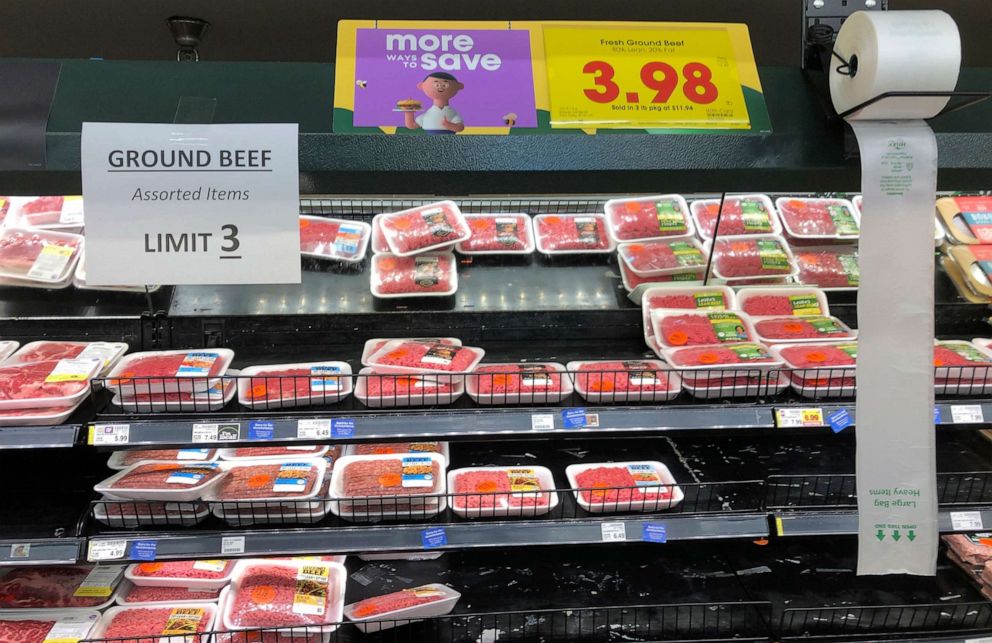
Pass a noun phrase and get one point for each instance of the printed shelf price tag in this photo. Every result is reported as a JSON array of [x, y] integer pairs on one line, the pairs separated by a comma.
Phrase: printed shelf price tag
[[109, 434], [205, 433], [106, 550], [232, 545], [967, 414], [679, 78], [542, 422], [612, 532], [788, 418], [966, 521], [313, 429]]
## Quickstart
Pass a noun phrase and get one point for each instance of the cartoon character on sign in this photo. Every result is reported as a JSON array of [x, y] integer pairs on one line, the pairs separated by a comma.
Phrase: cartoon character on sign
[[440, 117]]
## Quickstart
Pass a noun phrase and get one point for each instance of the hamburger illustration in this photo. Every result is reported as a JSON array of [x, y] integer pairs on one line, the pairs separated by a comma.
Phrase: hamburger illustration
[[408, 105]]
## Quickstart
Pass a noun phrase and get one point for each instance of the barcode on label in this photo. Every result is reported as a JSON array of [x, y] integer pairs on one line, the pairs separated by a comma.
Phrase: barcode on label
[[232, 545], [614, 532], [966, 521], [542, 422]]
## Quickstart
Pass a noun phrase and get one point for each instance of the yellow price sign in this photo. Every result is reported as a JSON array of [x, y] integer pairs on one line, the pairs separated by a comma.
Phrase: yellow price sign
[[679, 78]]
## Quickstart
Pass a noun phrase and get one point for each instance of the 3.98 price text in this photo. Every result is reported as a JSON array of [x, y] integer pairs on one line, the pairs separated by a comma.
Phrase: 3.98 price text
[[696, 80]]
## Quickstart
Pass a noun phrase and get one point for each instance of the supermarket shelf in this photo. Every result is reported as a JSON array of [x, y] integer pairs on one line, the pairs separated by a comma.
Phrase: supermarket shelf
[[828, 523], [38, 437], [41, 551]]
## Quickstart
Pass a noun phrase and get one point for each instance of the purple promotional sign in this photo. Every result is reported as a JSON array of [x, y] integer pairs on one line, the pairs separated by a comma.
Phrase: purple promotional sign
[[444, 80]]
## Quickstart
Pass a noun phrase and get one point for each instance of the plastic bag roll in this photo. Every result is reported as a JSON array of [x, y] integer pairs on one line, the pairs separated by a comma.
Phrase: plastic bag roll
[[896, 51]]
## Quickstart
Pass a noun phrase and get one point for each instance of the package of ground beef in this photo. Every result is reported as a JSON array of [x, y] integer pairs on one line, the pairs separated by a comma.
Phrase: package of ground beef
[[42, 587], [631, 281], [412, 357], [689, 297], [124, 459], [498, 234], [662, 257], [262, 480], [392, 448], [168, 624], [39, 256], [178, 482], [305, 595], [424, 228], [697, 327], [830, 268], [56, 383], [156, 372], [779, 330], [336, 239], [388, 486], [374, 344], [399, 608], [291, 452], [564, 234], [752, 257], [390, 390], [961, 368], [501, 491], [276, 386], [651, 217], [817, 218], [745, 214], [623, 486], [58, 627], [512, 383], [782, 302], [727, 371], [642, 380], [190, 574], [820, 370], [141, 595], [432, 274]]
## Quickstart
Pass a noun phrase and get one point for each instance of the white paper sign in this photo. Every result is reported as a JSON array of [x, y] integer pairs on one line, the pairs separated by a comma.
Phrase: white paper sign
[[191, 204]]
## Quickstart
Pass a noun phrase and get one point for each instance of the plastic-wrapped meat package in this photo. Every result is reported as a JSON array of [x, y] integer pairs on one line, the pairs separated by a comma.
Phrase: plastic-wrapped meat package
[[632, 280], [618, 484], [140, 594], [179, 370], [425, 357], [282, 595], [796, 328], [47, 351], [727, 371], [392, 448], [25, 631], [38, 255], [783, 304], [286, 385], [48, 211], [537, 380], [164, 476], [496, 487], [402, 599], [698, 328], [39, 384], [284, 480], [135, 456], [820, 356], [748, 214], [828, 267], [498, 234], [333, 238], [713, 356], [973, 549], [571, 234], [649, 218], [45, 587], [154, 622], [393, 476], [646, 258], [432, 274], [622, 377], [820, 367], [277, 452], [409, 388], [818, 218], [425, 228], [750, 257], [183, 569]]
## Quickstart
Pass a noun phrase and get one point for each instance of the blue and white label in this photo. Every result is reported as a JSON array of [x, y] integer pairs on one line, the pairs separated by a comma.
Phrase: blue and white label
[[348, 239], [197, 364], [573, 418], [193, 454], [190, 475], [342, 427], [418, 472], [433, 538], [292, 477], [324, 379], [261, 430], [654, 532], [936, 415], [142, 549], [839, 420]]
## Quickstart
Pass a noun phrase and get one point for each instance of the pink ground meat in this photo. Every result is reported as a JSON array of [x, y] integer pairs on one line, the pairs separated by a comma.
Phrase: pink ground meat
[[719, 355], [420, 274], [633, 281], [963, 356], [295, 385], [408, 387], [632, 220], [615, 485], [20, 248], [326, 238], [44, 587], [501, 379], [256, 481], [264, 598], [737, 258], [27, 381], [733, 220], [800, 328], [701, 299], [819, 218], [768, 305], [133, 457], [497, 232], [139, 594], [428, 356], [389, 448], [391, 602], [145, 621], [425, 227], [708, 328], [383, 478], [158, 365], [816, 356], [562, 233], [154, 476], [828, 268], [490, 489], [259, 452], [620, 376], [179, 569], [649, 256]]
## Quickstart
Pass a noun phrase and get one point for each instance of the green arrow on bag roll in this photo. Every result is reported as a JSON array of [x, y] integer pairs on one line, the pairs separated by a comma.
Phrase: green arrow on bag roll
[[896, 536], [911, 535], [880, 535]]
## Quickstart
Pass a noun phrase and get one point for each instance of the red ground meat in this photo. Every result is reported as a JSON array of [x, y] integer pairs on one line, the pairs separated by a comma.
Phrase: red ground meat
[[612, 482], [159, 365], [702, 299], [633, 281], [958, 355], [421, 274], [428, 356], [264, 598], [382, 478], [491, 489], [828, 268], [805, 217], [800, 328], [45, 586], [610, 377], [302, 451], [498, 232], [294, 385], [733, 221], [154, 476], [179, 569], [133, 457], [392, 602], [256, 481], [703, 328], [24, 631], [390, 448], [736, 258], [323, 238], [378, 242], [650, 256], [140, 594], [27, 382], [407, 386], [744, 354], [501, 379], [145, 621], [48, 351], [20, 248], [424, 227], [817, 356], [566, 232], [768, 305], [647, 219]]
